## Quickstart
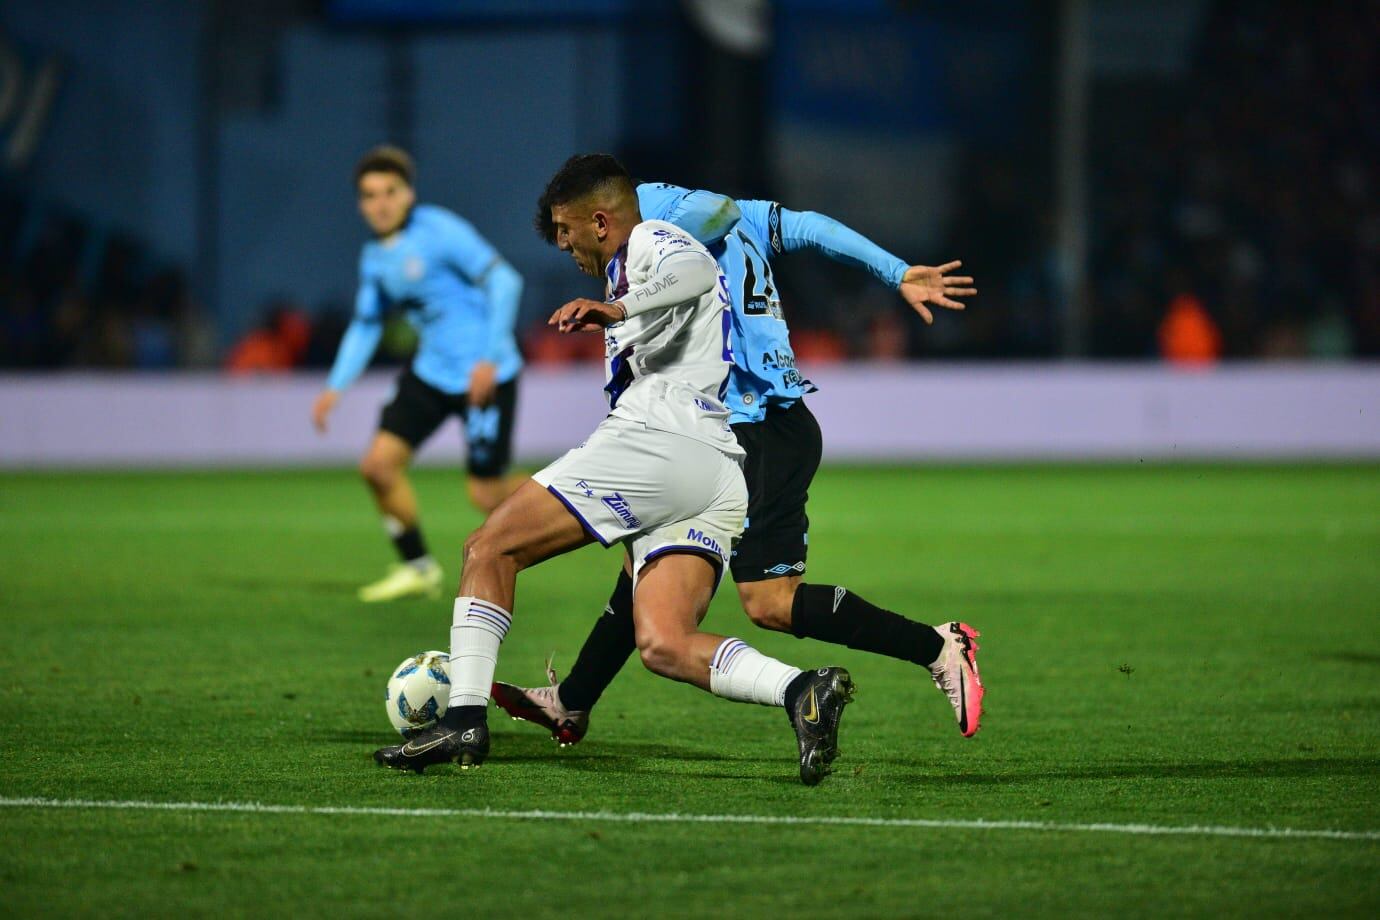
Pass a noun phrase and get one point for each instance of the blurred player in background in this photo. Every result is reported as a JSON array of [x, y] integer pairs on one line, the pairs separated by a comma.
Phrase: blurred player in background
[[659, 475], [462, 298], [783, 445]]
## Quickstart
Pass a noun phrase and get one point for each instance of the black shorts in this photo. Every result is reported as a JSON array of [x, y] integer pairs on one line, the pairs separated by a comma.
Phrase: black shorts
[[783, 453], [419, 408]]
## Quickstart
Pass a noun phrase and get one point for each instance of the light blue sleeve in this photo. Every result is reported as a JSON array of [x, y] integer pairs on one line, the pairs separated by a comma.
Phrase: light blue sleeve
[[503, 288], [463, 248], [361, 338], [707, 216], [790, 231]]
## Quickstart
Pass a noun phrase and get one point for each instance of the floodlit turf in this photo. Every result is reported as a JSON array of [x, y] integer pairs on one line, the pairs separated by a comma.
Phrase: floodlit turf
[[1163, 646]]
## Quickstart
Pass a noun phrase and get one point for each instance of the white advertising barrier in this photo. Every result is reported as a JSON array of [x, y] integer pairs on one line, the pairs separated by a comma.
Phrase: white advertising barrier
[[868, 412]]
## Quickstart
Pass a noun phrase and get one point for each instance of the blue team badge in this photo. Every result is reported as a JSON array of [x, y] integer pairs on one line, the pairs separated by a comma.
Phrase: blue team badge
[[414, 268]]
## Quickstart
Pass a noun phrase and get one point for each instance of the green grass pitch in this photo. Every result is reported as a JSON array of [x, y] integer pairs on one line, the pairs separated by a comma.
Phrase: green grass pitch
[[1169, 646]]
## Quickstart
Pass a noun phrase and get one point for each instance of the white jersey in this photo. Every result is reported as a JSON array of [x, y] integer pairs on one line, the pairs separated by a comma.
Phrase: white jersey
[[667, 364]]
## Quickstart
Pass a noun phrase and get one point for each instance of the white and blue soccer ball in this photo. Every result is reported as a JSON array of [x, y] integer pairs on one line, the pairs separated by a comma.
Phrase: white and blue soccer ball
[[418, 692]]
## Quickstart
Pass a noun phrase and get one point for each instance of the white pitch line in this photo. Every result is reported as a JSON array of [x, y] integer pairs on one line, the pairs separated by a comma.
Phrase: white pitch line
[[1153, 830]]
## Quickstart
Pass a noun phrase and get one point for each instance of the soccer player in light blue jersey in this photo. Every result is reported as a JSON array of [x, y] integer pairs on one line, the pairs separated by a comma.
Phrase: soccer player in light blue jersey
[[462, 298], [783, 445]]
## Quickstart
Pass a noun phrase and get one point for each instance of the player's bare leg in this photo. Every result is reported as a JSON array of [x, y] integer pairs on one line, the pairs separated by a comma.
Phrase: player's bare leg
[[488, 492], [672, 596], [768, 603], [384, 469], [531, 525]]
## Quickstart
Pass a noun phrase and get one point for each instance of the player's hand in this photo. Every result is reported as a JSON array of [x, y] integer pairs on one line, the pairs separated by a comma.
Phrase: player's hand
[[483, 383], [925, 284], [321, 409], [585, 315]]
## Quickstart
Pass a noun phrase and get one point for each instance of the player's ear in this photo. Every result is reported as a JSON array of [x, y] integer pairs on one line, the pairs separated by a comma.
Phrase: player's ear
[[601, 223]]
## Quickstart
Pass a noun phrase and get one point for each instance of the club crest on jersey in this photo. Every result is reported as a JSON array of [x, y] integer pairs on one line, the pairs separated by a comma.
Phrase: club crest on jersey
[[414, 268], [619, 506]]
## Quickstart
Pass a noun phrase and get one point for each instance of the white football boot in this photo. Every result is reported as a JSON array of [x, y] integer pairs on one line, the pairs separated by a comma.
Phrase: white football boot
[[406, 579]]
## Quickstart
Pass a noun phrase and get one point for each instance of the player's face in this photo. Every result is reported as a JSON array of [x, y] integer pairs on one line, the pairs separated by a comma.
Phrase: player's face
[[384, 200], [581, 233]]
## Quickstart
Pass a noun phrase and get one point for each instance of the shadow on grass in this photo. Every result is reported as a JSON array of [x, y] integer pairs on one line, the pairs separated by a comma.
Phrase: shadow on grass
[[1371, 658], [538, 746], [660, 759]]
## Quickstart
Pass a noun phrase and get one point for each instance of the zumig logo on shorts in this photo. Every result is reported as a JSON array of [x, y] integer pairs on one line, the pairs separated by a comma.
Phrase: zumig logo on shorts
[[619, 506], [705, 540]]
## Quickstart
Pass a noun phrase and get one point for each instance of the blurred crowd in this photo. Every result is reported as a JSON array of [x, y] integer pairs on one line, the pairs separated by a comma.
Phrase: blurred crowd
[[74, 295], [1243, 207], [1235, 213]]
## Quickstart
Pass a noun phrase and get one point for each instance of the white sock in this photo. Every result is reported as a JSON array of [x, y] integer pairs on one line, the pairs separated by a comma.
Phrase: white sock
[[740, 672], [477, 629]]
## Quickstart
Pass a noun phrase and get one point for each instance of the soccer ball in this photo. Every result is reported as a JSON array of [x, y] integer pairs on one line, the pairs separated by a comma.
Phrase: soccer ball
[[418, 692]]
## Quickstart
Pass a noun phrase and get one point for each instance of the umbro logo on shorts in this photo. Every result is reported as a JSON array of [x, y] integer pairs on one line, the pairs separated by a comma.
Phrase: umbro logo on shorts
[[784, 569]]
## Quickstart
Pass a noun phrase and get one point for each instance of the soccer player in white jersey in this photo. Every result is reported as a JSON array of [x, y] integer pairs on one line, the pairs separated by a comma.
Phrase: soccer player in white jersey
[[660, 475]]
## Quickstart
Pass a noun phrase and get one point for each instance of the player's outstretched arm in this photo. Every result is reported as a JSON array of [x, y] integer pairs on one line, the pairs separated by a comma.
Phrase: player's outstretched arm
[[356, 348], [921, 286]]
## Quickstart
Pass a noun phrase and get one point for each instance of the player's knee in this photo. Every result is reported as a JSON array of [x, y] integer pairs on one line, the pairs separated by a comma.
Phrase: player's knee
[[660, 653], [487, 546], [767, 603], [379, 472]]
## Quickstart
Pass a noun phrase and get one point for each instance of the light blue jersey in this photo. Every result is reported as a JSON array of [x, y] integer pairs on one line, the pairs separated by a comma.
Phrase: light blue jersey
[[764, 374], [455, 290]]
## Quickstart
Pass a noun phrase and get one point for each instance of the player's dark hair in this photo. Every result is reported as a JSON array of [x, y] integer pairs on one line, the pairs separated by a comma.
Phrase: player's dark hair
[[581, 175], [386, 158]]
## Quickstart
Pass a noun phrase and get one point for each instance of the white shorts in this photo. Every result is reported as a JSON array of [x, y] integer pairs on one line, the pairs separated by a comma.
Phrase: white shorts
[[656, 491]]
